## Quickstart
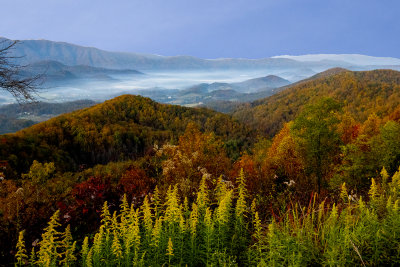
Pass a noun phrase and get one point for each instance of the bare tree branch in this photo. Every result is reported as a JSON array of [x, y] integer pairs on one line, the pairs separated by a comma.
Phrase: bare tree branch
[[23, 89]]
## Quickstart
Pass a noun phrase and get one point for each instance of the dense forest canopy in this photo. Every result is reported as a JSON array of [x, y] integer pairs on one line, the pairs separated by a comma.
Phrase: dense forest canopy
[[123, 128], [360, 93]]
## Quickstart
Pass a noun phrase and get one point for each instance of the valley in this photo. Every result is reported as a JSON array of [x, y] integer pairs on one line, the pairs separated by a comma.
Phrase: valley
[[72, 72]]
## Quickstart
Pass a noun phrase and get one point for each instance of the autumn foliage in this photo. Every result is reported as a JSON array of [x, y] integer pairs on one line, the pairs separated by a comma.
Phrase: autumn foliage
[[140, 183]]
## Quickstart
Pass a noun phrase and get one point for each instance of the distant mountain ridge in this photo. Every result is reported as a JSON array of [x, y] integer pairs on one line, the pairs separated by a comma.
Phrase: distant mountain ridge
[[260, 84], [54, 71], [199, 94], [355, 59], [247, 86], [70, 54]]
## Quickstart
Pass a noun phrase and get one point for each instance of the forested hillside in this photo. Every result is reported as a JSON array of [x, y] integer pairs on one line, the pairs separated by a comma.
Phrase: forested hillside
[[360, 93], [131, 182], [120, 129]]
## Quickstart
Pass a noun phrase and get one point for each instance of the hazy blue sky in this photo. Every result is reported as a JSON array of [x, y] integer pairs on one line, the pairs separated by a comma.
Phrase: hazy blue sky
[[211, 28]]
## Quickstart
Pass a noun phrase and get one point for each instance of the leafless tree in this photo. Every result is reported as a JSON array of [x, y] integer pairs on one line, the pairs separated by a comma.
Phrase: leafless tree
[[24, 89]]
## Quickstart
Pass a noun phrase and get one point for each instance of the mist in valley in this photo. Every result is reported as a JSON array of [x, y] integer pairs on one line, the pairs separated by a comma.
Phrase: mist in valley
[[109, 86]]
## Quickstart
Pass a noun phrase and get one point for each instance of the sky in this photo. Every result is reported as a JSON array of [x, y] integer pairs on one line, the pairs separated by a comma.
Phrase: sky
[[211, 28]]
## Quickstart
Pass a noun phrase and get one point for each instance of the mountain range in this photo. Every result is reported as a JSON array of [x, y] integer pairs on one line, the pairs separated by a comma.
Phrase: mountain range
[[55, 71], [125, 126], [70, 54], [73, 72], [204, 93], [360, 94]]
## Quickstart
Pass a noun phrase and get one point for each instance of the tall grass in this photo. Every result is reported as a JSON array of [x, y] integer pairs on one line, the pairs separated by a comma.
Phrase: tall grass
[[220, 228], [349, 233]]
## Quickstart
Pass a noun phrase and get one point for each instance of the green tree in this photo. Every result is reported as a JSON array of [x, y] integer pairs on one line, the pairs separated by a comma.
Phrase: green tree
[[390, 136], [364, 156], [316, 132], [39, 173]]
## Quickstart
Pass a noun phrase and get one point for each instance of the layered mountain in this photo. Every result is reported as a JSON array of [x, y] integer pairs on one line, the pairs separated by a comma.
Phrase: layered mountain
[[225, 99], [38, 50], [54, 71], [124, 127], [360, 93], [204, 93], [74, 72], [247, 86], [260, 84], [32, 51]]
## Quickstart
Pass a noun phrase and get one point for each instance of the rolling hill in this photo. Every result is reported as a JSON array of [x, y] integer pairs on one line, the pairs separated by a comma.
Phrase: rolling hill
[[248, 86], [360, 93], [204, 93], [56, 72], [124, 127], [260, 84]]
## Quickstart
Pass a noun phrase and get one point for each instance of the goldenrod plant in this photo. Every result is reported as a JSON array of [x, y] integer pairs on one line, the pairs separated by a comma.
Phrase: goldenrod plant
[[226, 230], [21, 256]]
